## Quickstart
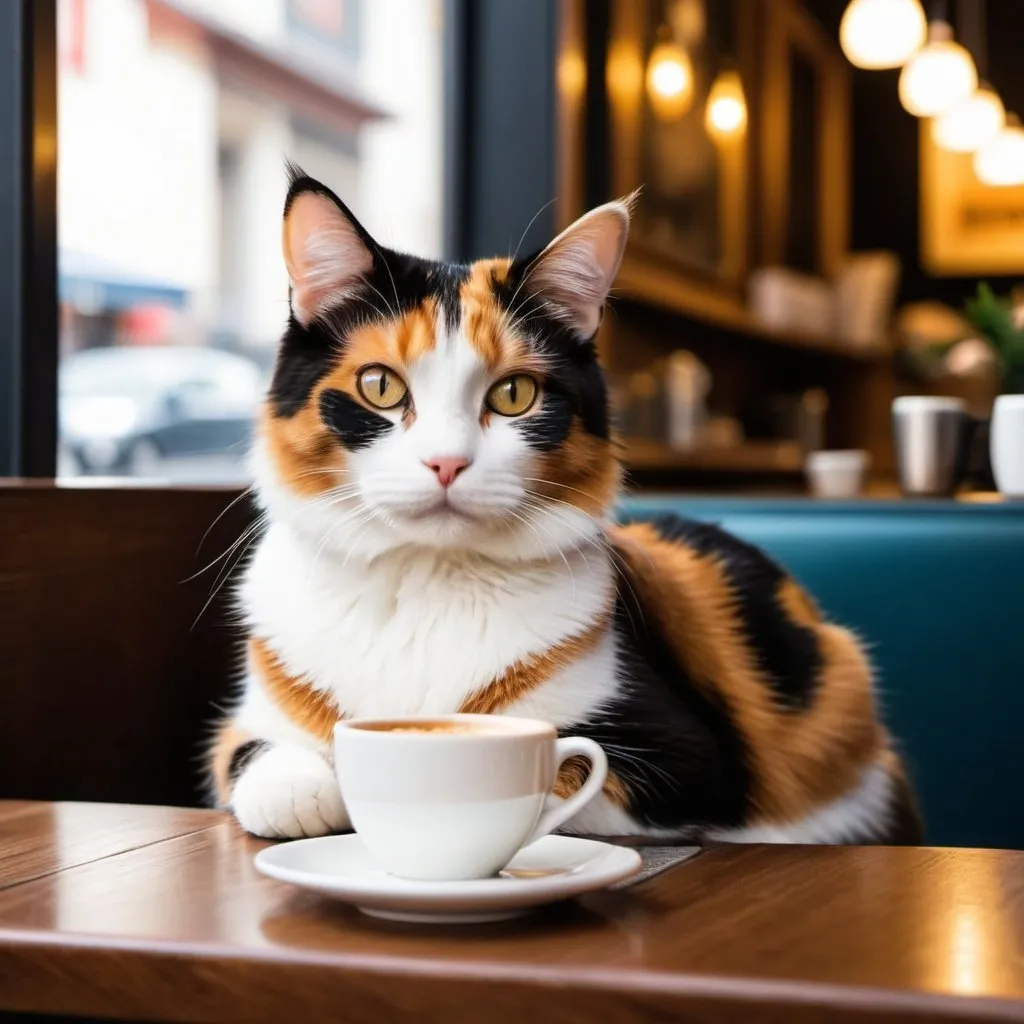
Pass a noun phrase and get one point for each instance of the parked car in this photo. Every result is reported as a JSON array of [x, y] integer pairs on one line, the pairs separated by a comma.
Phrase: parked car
[[128, 410]]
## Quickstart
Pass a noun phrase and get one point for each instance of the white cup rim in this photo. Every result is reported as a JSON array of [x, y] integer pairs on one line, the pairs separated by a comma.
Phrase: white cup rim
[[495, 728], [930, 402], [837, 458]]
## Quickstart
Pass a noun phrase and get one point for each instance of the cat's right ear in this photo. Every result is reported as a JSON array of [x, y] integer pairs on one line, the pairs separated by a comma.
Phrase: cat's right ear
[[327, 251]]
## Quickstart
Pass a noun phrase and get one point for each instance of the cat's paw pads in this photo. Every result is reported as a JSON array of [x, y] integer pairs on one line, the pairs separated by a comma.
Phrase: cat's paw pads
[[287, 793]]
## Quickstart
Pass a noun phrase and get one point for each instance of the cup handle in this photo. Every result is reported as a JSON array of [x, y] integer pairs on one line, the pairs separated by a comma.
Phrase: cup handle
[[573, 746]]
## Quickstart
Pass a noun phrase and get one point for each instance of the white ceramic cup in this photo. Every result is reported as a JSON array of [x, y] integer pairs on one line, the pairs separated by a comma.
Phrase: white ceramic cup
[[1006, 445], [837, 474], [456, 797]]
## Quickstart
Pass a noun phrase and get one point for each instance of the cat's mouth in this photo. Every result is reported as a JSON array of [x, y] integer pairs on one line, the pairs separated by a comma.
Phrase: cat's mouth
[[441, 511]]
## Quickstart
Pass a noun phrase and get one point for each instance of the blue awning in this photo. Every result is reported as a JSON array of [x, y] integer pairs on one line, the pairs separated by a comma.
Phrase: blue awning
[[94, 285]]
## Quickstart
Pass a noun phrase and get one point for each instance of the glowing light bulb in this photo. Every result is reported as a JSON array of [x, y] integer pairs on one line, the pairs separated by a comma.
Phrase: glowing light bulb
[[938, 76], [1001, 162], [726, 113], [878, 34], [971, 124], [669, 81]]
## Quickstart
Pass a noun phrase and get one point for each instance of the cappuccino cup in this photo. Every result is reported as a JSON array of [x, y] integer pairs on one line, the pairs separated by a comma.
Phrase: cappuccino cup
[[456, 797]]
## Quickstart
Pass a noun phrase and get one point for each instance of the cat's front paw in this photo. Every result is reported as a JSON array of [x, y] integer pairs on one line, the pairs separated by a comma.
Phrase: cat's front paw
[[286, 793]]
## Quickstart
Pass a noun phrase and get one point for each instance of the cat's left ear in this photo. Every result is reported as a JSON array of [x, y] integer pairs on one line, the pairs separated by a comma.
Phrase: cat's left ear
[[327, 251], [575, 272]]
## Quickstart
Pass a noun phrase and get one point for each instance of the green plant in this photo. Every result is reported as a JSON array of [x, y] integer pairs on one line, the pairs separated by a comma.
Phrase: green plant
[[992, 317]]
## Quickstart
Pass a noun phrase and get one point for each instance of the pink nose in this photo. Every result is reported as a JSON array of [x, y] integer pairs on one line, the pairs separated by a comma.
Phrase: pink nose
[[447, 468]]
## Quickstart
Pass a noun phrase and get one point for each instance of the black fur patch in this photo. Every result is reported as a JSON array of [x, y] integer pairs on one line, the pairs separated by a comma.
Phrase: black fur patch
[[244, 756], [303, 357], [550, 426], [575, 377], [448, 279], [355, 426], [905, 825], [678, 753], [786, 652]]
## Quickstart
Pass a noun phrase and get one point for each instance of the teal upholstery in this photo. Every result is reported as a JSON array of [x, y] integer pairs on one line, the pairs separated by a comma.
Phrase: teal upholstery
[[932, 587]]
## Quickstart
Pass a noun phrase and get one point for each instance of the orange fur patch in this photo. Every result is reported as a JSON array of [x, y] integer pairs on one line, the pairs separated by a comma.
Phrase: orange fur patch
[[484, 321], [573, 773], [799, 760], [306, 456], [487, 326], [310, 709], [533, 671], [229, 738], [583, 472], [316, 712], [798, 604]]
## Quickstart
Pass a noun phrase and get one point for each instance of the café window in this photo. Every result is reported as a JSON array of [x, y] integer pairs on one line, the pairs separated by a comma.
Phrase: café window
[[175, 120]]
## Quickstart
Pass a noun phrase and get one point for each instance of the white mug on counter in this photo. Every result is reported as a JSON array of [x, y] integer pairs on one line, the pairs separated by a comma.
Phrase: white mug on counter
[[837, 474], [1006, 445], [930, 434]]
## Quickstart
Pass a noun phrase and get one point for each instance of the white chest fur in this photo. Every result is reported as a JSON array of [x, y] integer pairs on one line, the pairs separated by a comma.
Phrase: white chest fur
[[418, 631]]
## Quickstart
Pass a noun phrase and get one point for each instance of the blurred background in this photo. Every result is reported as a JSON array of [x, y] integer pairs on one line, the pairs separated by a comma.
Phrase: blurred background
[[832, 211]]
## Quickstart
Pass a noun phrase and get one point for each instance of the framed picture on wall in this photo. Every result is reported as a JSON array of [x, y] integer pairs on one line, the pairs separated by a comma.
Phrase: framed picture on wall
[[967, 227], [711, 206], [689, 232], [804, 143]]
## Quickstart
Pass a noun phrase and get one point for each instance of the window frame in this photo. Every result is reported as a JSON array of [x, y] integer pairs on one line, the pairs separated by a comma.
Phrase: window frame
[[28, 238], [484, 132]]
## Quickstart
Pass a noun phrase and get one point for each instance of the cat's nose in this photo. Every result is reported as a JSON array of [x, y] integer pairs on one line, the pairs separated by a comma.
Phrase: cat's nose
[[447, 468]]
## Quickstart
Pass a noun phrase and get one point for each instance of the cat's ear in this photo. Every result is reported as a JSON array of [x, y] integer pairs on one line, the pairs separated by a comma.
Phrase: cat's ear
[[575, 272], [327, 251]]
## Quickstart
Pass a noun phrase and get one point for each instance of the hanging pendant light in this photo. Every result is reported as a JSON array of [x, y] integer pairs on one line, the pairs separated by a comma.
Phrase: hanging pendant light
[[938, 76], [725, 115], [1001, 162], [877, 34], [972, 123], [669, 78]]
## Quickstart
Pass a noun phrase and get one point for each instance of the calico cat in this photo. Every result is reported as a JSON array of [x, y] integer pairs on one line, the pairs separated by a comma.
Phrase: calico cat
[[435, 463]]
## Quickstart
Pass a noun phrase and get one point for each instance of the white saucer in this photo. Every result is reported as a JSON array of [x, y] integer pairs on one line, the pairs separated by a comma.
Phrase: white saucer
[[551, 869]]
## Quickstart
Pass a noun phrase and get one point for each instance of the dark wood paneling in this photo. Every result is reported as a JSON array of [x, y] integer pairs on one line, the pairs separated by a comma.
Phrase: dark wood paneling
[[106, 685]]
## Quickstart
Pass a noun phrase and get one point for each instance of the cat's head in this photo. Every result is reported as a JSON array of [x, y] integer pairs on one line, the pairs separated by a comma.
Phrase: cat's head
[[437, 404]]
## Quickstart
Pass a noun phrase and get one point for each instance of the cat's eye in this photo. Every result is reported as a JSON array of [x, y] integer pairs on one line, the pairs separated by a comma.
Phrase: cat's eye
[[381, 387], [512, 396]]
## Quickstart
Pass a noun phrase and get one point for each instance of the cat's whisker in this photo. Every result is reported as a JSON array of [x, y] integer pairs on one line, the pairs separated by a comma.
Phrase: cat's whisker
[[547, 535], [577, 545], [224, 554], [526, 231], [220, 515], [353, 519], [565, 487], [246, 541]]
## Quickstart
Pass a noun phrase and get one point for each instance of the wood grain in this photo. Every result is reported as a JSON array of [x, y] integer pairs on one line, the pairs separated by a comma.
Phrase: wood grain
[[39, 839], [185, 929], [109, 680]]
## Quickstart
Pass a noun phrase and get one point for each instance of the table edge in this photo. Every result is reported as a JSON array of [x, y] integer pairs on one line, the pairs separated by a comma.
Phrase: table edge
[[682, 987]]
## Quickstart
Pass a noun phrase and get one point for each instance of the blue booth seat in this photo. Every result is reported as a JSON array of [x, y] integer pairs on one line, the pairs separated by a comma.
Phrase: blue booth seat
[[934, 589]]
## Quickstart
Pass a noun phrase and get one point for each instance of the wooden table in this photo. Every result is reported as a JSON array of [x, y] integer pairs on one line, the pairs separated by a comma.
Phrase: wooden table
[[150, 913]]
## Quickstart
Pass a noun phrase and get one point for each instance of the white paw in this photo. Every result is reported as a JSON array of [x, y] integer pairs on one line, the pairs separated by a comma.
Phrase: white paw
[[288, 792]]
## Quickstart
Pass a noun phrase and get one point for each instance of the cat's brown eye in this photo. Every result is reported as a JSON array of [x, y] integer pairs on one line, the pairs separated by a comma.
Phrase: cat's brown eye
[[381, 387], [512, 396]]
